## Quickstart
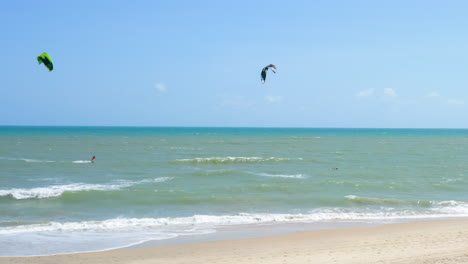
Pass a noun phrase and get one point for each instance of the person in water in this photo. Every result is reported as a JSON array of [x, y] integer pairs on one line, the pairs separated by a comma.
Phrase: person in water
[[93, 158]]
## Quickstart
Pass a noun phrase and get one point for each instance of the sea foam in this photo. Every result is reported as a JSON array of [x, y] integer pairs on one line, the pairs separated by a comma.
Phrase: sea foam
[[26, 160], [82, 161], [212, 221], [58, 190], [293, 176], [47, 161], [221, 160]]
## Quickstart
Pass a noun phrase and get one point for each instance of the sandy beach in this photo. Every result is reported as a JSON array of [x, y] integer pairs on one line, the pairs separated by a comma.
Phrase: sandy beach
[[444, 241]]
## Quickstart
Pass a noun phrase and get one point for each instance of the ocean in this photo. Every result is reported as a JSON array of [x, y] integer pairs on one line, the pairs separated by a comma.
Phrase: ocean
[[155, 184]]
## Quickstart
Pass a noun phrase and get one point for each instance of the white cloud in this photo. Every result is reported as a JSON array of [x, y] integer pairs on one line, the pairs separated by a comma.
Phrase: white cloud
[[365, 93], [433, 94], [160, 87], [390, 92], [455, 102], [274, 99]]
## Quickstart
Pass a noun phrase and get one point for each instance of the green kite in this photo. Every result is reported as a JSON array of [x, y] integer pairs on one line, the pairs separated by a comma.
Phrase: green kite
[[47, 60]]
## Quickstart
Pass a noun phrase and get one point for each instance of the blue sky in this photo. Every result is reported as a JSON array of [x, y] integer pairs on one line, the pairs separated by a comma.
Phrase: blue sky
[[197, 63]]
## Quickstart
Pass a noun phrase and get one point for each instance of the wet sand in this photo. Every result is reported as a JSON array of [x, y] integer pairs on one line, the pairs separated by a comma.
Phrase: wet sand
[[444, 241]]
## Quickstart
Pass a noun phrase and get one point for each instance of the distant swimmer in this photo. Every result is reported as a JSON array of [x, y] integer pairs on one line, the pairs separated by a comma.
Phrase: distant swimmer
[[334, 168], [92, 159]]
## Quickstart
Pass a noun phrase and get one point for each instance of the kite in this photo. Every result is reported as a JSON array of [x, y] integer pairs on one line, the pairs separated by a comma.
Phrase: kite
[[47, 60], [264, 71]]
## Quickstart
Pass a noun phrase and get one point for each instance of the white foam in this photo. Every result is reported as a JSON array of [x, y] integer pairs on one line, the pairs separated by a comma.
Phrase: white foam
[[211, 221], [58, 190], [40, 161], [233, 159], [294, 176], [33, 160], [26, 160], [72, 237], [451, 207], [78, 240], [121, 224]]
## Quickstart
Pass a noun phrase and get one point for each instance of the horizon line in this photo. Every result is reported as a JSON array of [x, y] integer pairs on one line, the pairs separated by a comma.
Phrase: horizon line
[[272, 127]]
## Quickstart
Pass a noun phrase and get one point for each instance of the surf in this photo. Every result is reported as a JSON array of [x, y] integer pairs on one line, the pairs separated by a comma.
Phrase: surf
[[58, 190]]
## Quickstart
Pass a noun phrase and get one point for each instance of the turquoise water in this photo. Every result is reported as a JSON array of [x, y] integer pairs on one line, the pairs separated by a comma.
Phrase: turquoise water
[[160, 183]]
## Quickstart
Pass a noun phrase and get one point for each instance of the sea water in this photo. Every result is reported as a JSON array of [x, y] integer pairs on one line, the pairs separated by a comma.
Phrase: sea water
[[160, 183]]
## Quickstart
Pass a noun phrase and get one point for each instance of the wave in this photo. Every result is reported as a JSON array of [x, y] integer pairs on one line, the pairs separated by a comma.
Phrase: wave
[[444, 207], [73, 237], [129, 224], [82, 161], [58, 190], [450, 207], [211, 160], [221, 160], [41, 161], [25, 160], [132, 223], [371, 200], [215, 172], [294, 176]]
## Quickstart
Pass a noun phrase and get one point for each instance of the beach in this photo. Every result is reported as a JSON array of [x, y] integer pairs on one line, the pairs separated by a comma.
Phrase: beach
[[444, 241], [171, 189], [246, 132]]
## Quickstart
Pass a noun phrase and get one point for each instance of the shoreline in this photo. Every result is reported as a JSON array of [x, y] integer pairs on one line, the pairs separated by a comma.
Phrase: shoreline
[[251, 231], [270, 229], [431, 241]]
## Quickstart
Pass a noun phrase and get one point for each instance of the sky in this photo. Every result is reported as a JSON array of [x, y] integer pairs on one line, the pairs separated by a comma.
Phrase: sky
[[370, 64]]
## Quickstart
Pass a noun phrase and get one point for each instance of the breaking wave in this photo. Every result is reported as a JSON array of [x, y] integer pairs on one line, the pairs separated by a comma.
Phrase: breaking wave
[[82, 161], [73, 237], [294, 176], [58, 190], [222, 160], [42, 161], [239, 219], [25, 160], [442, 207]]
